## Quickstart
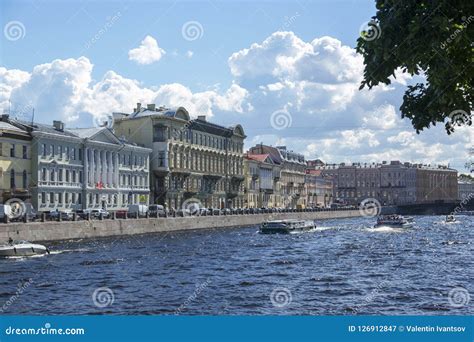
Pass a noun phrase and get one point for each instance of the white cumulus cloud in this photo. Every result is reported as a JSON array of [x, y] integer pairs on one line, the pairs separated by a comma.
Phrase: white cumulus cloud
[[64, 90], [148, 52]]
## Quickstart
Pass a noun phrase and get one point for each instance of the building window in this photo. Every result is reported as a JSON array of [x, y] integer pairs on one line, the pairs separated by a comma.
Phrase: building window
[[79, 198], [1, 149], [25, 154], [159, 133], [25, 183], [51, 197], [79, 152], [51, 176], [52, 150], [12, 178], [12, 151], [60, 198], [43, 198]]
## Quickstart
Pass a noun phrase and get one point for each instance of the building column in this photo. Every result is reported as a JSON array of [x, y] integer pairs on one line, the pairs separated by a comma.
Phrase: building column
[[92, 151], [117, 173]]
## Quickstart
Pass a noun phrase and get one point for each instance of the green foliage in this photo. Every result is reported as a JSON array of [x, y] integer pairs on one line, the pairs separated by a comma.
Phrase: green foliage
[[429, 38]]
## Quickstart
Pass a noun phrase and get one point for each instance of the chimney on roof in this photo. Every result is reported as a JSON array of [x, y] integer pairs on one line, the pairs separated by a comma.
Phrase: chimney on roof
[[151, 106], [139, 106], [202, 117], [5, 117], [58, 125]]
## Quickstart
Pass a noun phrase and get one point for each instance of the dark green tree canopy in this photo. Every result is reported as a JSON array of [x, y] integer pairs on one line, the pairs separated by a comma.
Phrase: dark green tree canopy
[[433, 38]]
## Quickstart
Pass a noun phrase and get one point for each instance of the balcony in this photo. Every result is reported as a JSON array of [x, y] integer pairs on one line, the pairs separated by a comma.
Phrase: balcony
[[60, 184], [237, 178], [180, 172], [232, 194], [267, 191], [161, 171], [19, 193], [212, 176]]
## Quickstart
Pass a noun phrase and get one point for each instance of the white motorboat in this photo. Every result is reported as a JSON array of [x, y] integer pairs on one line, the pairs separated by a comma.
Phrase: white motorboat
[[394, 221], [450, 219], [286, 226], [22, 248]]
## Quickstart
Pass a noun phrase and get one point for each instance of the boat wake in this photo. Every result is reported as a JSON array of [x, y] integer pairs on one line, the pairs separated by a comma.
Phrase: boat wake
[[384, 229], [320, 229], [61, 251]]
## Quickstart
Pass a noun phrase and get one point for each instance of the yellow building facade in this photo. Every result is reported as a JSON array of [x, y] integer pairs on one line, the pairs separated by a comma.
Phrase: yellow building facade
[[15, 162]]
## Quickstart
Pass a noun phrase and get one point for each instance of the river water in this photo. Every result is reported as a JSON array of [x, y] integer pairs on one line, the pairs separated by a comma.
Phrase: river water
[[343, 267]]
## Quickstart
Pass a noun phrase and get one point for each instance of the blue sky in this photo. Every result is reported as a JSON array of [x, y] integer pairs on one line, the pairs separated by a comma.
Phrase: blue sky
[[61, 29], [285, 70]]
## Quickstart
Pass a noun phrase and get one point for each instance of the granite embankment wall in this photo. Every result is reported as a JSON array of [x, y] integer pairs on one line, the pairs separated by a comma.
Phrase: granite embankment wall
[[50, 231]]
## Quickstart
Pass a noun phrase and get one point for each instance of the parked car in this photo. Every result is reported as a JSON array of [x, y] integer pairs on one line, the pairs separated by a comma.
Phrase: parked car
[[5, 210], [157, 210], [30, 212], [121, 214], [65, 215], [183, 212], [97, 212], [255, 210], [215, 211], [82, 213], [204, 212], [18, 211], [137, 210]]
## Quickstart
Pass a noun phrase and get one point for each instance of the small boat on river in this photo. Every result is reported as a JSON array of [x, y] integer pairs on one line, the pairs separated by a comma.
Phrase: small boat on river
[[450, 219], [394, 221], [22, 248], [286, 226]]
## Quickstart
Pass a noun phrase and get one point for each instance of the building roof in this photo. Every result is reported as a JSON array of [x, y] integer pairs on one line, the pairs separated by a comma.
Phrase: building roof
[[5, 126], [262, 158], [178, 112], [211, 128], [40, 127], [258, 157], [86, 132]]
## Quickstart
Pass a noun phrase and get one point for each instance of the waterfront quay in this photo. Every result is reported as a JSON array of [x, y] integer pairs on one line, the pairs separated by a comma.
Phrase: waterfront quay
[[66, 230]]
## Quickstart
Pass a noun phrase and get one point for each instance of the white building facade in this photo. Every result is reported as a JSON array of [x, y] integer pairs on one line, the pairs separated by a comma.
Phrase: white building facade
[[86, 168]]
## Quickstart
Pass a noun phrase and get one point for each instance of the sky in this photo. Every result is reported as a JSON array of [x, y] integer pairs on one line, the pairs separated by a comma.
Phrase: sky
[[286, 70]]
